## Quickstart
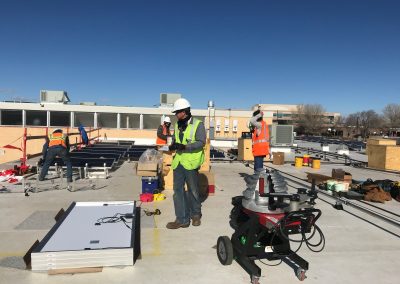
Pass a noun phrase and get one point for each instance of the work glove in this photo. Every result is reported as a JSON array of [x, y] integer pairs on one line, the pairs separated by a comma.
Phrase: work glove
[[177, 146], [172, 147]]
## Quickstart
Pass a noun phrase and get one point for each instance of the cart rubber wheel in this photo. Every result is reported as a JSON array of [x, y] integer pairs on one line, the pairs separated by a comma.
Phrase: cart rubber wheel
[[301, 274], [224, 250]]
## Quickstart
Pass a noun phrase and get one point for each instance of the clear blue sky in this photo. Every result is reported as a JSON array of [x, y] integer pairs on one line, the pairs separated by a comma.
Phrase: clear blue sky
[[343, 54]]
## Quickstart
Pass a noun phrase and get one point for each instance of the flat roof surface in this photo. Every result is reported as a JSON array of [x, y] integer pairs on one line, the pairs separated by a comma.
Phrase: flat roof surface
[[359, 248]]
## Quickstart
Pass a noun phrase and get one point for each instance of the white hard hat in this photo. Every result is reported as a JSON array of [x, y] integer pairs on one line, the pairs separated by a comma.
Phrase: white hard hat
[[181, 104], [167, 119]]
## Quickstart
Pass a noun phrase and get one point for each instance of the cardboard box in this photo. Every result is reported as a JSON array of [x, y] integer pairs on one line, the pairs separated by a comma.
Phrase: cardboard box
[[340, 174], [150, 166], [168, 180], [206, 182], [146, 173], [147, 169], [278, 158], [318, 178], [165, 170], [167, 158], [205, 167]]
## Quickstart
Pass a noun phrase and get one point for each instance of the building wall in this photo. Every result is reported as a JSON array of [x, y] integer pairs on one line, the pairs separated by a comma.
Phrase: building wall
[[37, 117], [15, 138], [242, 126]]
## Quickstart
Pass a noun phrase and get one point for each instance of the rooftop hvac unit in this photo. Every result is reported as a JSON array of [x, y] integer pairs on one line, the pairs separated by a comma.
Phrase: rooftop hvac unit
[[59, 97], [168, 98], [281, 135]]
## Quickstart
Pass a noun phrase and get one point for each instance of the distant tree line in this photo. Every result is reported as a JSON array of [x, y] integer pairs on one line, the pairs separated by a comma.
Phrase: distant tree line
[[310, 119]]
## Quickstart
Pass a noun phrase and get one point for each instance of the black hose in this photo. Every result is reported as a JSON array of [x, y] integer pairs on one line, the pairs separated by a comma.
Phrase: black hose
[[322, 240], [286, 255], [304, 238], [312, 234]]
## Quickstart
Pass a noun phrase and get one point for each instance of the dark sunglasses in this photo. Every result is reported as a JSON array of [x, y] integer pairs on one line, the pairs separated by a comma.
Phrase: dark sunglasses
[[179, 111]]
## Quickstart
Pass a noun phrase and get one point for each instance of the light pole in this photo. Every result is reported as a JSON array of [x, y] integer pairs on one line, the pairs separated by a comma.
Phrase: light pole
[[211, 108]]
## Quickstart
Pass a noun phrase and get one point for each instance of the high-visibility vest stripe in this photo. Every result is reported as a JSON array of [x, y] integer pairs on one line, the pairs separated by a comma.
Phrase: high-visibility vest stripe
[[56, 139], [261, 142], [189, 160]]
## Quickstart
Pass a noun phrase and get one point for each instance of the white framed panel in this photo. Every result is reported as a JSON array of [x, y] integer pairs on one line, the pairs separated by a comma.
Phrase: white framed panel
[[218, 125], [81, 239], [226, 125]]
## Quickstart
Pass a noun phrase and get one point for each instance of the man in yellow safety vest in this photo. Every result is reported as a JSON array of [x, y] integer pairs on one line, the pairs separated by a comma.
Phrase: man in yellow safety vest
[[188, 142]]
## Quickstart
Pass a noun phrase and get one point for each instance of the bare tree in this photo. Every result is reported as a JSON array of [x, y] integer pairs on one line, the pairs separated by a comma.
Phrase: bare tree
[[369, 120], [311, 118], [352, 120], [364, 122], [338, 124], [351, 124], [391, 114]]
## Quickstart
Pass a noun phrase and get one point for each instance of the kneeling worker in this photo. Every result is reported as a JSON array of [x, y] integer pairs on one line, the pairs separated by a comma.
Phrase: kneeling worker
[[163, 131], [188, 142], [58, 145]]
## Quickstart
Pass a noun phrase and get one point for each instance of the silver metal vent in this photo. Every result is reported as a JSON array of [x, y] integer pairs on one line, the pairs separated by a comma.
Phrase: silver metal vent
[[281, 135]]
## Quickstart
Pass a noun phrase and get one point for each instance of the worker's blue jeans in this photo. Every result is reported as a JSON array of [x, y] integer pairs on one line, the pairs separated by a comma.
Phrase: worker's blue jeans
[[52, 152], [258, 163], [187, 203]]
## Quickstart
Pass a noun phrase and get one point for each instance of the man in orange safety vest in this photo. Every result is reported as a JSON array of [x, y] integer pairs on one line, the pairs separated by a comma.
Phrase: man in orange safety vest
[[163, 131], [260, 139]]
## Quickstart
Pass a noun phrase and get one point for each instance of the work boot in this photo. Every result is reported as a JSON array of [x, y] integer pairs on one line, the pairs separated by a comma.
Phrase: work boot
[[196, 221], [70, 187], [176, 225]]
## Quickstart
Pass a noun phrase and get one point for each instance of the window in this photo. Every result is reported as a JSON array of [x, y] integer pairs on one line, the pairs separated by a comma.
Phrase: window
[[151, 121], [60, 118], [11, 117], [130, 121], [107, 120], [282, 115], [85, 119], [36, 118]]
